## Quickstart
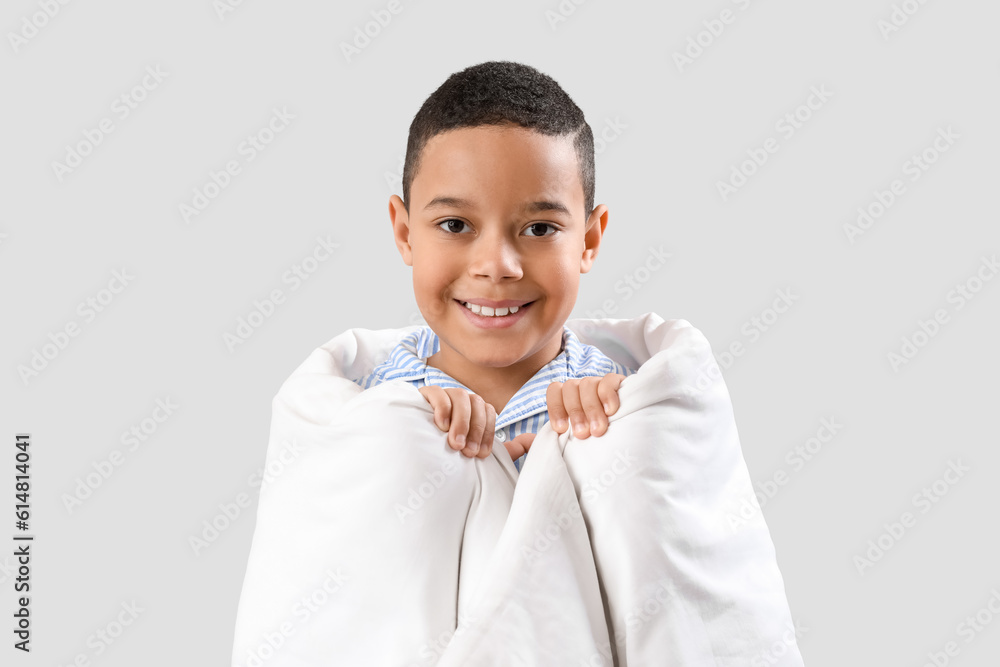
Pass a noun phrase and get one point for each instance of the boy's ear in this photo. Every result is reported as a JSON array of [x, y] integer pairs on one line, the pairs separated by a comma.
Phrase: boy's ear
[[400, 220], [592, 235]]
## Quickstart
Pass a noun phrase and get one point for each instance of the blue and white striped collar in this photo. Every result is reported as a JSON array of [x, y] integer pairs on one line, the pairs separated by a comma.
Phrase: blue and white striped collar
[[408, 362]]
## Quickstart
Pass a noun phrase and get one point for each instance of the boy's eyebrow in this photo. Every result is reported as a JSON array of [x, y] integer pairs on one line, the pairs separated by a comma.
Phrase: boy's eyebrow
[[540, 206], [543, 206], [449, 202]]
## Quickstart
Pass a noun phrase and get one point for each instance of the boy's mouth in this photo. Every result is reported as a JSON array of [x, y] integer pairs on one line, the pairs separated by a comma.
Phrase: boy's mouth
[[486, 311]]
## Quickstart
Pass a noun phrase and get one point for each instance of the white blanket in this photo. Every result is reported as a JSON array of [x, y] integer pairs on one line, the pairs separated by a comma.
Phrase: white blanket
[[377, 544]]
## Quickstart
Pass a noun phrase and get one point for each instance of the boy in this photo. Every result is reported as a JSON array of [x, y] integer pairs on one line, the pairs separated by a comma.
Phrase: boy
[[609, 553], [498, 221]]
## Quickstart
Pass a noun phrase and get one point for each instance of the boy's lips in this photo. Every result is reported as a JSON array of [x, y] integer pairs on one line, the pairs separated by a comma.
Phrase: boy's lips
[[498, 322], [506, 303]]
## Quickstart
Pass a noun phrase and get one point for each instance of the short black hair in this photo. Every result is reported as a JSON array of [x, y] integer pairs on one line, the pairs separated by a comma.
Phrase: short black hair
[[497, 93]]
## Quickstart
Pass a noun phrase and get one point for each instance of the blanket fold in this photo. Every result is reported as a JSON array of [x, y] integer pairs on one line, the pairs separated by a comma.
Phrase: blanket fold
[[377, 544]]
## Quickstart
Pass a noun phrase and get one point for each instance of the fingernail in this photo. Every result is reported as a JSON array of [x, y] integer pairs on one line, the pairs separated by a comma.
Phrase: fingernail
[[474, 447], [447, 423], [594, 426], [580, 428], [607, 407], [460, 439], [560, 424]]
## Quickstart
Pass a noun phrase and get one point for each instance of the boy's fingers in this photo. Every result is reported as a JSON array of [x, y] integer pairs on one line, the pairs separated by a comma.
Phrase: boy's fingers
[[477, 424], [592, 405], [489, 433], [574, 408], [554, 403], [442, 409], [439, 401], [461, 410], [607, 390], [519, 445]]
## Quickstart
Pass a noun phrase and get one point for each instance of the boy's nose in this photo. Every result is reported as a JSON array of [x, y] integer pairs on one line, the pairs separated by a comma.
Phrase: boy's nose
[[495, 258]]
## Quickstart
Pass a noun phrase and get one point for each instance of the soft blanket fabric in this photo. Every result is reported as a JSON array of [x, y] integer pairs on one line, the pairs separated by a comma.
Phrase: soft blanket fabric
[[377, 544]]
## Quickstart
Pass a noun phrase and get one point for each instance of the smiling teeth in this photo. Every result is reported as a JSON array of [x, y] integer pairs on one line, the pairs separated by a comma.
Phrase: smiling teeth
[[490, 312]]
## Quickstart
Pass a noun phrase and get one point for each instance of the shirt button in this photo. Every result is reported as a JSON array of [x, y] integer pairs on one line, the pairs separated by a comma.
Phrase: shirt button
[[501, 436]]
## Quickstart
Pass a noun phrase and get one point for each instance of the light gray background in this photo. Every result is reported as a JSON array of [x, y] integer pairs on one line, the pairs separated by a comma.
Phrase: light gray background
[[326, 175]]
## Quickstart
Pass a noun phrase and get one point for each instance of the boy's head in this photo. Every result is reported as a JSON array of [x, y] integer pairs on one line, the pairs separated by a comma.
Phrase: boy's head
[[498, 189], [500, 93]]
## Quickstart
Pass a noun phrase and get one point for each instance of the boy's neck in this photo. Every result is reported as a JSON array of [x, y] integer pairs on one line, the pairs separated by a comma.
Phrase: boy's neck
[[494, 385]]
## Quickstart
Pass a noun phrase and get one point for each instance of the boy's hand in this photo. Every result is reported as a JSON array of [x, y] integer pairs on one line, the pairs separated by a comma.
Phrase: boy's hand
[[586, 402], [469, 420], [581, 400]]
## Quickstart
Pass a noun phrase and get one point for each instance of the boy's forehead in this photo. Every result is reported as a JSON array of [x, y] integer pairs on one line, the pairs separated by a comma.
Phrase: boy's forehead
[[542, 169]]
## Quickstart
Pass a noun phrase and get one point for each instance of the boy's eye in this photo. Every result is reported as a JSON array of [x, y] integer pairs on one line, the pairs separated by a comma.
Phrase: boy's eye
[[453, 225], [543, 225]]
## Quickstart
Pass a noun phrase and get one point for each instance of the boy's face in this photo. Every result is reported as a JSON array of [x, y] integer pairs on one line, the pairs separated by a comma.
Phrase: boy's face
[[497, 214]]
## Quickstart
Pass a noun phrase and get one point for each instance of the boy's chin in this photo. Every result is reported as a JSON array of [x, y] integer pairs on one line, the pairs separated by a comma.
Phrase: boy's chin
[[496, 354]]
